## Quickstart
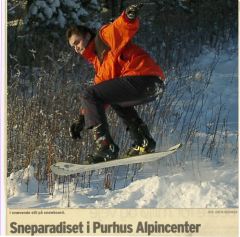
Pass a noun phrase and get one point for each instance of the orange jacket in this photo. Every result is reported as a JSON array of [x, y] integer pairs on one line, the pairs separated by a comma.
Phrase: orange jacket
[[114, 55]]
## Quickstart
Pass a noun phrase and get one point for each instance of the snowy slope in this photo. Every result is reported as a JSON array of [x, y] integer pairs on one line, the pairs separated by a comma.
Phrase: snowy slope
[[213, 186], [174, 182]]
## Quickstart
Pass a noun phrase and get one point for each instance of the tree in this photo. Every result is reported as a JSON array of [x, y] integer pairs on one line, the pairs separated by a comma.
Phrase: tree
[[61, 13]]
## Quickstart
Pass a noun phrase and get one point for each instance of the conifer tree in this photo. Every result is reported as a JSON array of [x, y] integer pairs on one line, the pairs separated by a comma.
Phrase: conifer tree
[[61, 13]]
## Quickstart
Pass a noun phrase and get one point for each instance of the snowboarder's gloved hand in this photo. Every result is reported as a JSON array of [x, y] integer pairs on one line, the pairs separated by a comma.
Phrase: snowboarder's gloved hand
[[132, 11], [77, 127]]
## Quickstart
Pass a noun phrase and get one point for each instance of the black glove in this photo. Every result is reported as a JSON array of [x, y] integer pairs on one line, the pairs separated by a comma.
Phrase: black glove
[[132, 11], [77, 127]]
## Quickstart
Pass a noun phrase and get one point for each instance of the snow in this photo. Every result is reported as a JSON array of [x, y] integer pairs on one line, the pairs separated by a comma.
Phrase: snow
[[55, 4], [71, 4], [33, 10], [174, 182], [41, 4], [48, 12], [212, 187], [61, 19], [82, 12], [175, 191], [60, 12]]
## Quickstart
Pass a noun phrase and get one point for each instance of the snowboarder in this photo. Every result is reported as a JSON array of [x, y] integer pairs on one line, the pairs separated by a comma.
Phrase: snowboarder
[[125, 76]]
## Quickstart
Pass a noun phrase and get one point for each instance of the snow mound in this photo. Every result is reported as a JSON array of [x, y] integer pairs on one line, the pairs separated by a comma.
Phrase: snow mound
[[214, 187], [22, 181], [177, 191]]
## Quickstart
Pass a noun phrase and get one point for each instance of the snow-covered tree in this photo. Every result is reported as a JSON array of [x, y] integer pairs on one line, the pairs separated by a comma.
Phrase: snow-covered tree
[[60, 13]]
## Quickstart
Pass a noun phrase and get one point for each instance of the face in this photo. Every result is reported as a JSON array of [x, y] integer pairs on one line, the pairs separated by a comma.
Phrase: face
[[79, 42]]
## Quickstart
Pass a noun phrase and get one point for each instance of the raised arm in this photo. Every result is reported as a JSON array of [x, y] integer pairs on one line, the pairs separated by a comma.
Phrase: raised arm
[[117, 34]]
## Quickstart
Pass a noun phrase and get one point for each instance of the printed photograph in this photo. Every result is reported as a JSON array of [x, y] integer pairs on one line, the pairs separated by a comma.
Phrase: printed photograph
[[122, 104]]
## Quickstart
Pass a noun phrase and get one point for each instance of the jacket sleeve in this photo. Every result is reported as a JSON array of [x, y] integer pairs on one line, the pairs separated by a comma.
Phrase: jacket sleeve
[[117, 34]]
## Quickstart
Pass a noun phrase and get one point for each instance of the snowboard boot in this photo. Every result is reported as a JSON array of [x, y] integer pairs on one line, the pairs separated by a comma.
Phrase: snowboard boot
[[143, 141], [105, 148]]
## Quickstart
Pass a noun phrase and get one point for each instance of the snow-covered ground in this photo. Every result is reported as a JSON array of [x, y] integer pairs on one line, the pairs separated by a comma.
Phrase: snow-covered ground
[[174, 182], [194, 185]]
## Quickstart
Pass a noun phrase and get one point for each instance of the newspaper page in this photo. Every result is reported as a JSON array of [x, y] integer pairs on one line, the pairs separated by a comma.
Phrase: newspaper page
[[188, 49]]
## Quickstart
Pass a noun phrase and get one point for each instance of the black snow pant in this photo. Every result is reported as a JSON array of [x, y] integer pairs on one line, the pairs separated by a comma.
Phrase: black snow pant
[[122, 94]]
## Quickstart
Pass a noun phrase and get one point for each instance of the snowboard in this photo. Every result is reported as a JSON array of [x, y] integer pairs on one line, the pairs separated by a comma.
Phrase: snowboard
[[63, 168]]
